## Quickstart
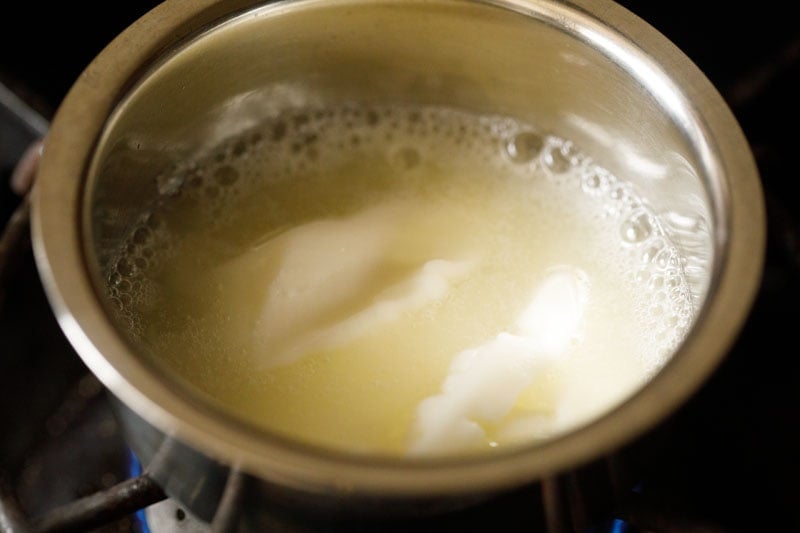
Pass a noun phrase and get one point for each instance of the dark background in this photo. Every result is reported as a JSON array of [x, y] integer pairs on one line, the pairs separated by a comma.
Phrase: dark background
[[731, 453]]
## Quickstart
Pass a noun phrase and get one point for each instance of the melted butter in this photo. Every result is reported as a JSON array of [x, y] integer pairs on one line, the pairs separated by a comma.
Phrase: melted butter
[[391, 281]]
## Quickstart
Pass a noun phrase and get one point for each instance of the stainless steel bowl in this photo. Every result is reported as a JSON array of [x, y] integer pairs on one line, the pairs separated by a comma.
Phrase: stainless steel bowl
[[191, 71]]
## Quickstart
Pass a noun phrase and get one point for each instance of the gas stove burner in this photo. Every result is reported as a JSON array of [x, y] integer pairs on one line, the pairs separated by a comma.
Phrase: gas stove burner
[[170, 517], [166, 516]]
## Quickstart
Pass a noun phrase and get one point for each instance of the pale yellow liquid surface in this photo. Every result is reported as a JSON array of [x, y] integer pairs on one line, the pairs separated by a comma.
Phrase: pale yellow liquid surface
[[323, 276]]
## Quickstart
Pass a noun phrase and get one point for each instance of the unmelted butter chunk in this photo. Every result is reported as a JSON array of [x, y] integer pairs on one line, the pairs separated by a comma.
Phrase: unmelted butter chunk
[[485, 382], [328, 282]]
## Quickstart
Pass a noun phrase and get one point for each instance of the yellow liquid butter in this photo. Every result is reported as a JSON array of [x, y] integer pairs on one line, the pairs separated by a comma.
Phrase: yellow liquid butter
[[403, 281]]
